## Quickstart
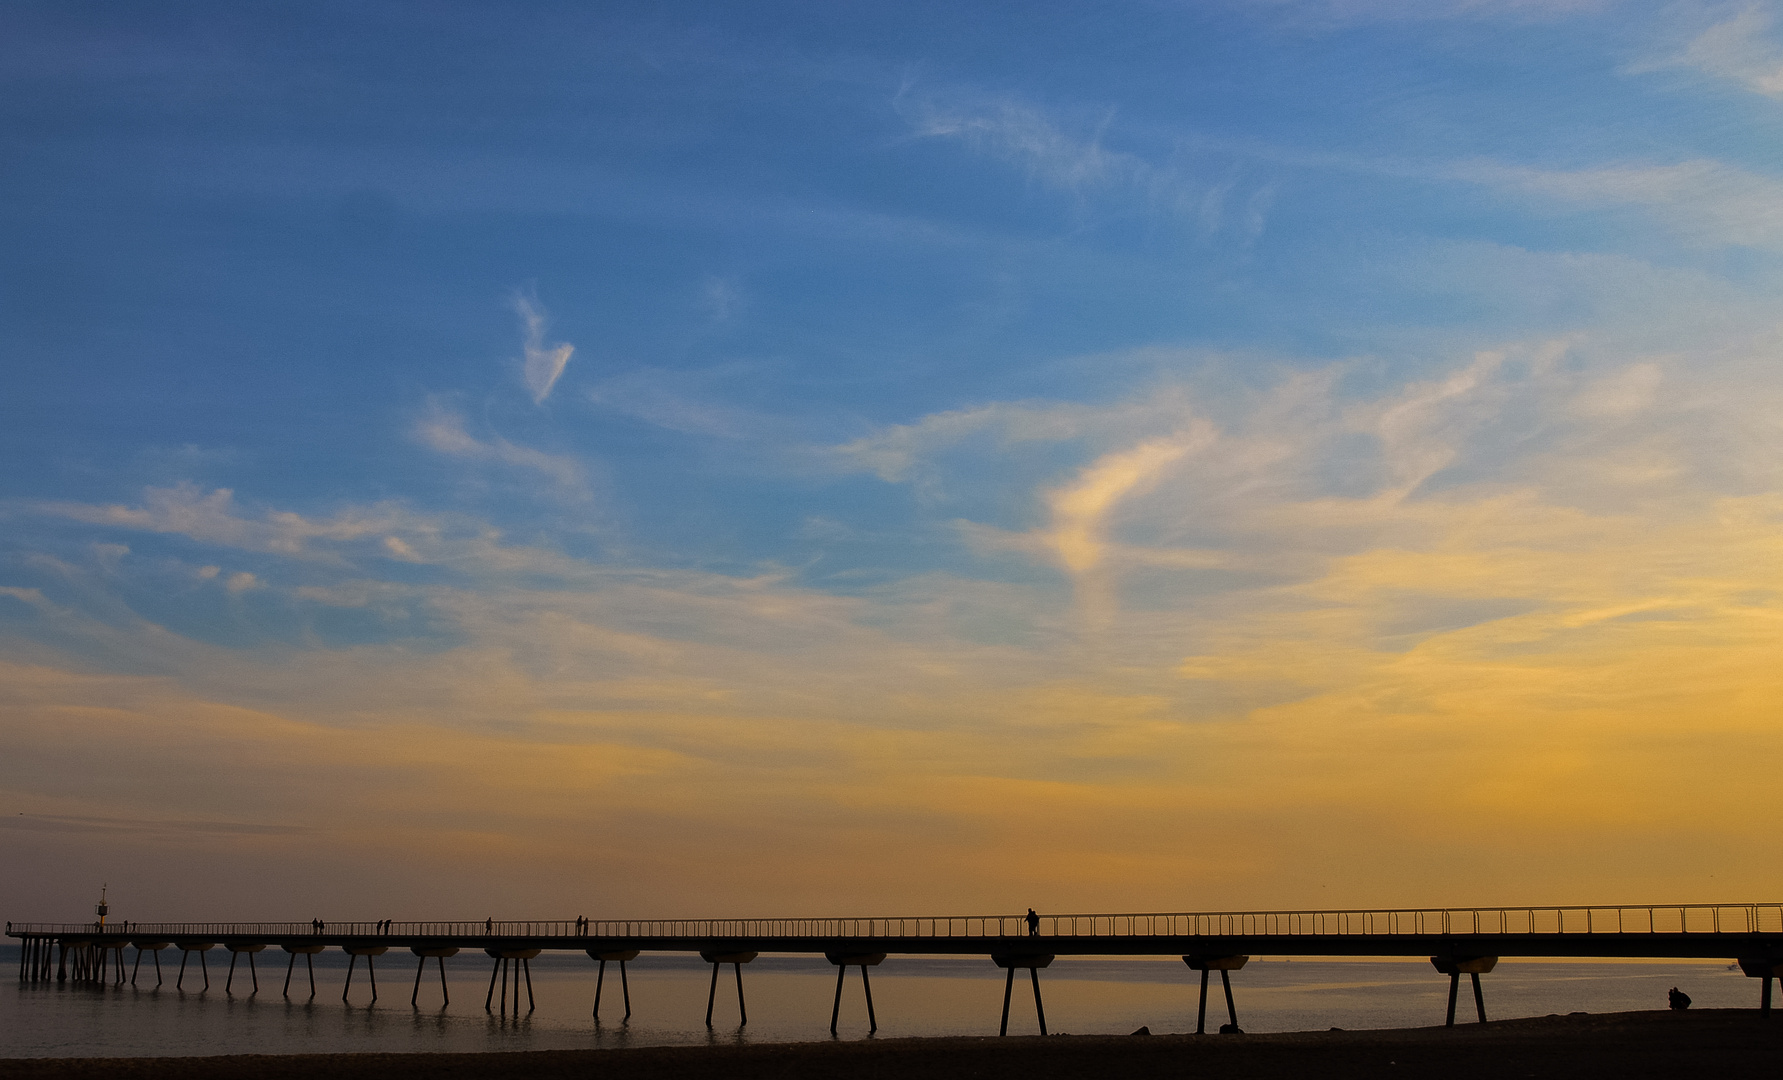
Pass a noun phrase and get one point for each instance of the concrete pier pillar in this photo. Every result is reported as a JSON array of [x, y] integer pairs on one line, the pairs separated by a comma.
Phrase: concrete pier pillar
[[736, 960], [142, 945], [187, 948], [1472, 966], [620, 956], [1764, 968], [367, 951], [1033, 962], [235, 952], [1225, 965], [517, 963], [308, 952], [864, 961], [439, 954]]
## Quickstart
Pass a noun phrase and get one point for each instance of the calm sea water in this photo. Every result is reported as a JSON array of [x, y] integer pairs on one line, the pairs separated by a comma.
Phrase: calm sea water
[[789, 1000]]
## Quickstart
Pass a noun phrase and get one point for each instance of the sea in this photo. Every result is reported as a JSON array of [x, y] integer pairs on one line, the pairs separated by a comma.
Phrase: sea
[[789, 999]]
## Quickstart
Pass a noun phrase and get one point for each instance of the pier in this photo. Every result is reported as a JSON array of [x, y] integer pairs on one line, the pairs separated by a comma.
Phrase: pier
[[1457, 941]]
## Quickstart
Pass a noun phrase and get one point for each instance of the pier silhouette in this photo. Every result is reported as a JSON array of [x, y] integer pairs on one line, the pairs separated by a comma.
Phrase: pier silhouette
[[1457, 941]]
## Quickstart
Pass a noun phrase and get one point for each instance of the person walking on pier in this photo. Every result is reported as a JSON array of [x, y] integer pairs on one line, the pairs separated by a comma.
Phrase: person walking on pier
[[1033, 923]]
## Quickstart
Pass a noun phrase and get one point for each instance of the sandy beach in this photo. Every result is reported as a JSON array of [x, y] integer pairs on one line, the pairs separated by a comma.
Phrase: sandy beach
[[1643, 1044]]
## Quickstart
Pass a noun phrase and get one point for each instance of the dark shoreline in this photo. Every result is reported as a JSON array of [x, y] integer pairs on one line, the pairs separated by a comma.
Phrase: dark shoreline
[[1621, 1045]]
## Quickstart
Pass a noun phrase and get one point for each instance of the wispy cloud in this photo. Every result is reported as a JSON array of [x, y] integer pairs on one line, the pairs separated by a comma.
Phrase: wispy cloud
[[1703, 201], [1082, 163], [1511, 565], [543, 362], [900, 452], [1738, 50], [443, 430], [213, 517]]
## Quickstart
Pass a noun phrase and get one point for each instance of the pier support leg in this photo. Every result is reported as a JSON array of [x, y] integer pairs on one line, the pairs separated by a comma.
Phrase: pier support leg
[[843, 960], [600, 979], [736, 960], [229, 983], [1225, 965], [352, 962], [531, 1004], [712, 994], [415, 997], [490, 997], [445, 994], [157, 969], [289, 968], [309, 962], [1033, 962], [1765, 968], [1473, 967], [204, 969], [180, 983], [137, 966], [372, 973]]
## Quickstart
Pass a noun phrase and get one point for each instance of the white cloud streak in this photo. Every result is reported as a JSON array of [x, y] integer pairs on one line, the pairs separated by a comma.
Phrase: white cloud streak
[[1739, 51], [543, 363], [1703, 201], [444, 431], [1085, 166]]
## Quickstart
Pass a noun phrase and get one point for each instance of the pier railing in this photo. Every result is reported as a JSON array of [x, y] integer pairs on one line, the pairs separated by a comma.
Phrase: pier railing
[[1652, 919]]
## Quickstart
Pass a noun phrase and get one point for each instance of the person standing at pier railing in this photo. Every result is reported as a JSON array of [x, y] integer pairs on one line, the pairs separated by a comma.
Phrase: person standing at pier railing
[[1033, 923]]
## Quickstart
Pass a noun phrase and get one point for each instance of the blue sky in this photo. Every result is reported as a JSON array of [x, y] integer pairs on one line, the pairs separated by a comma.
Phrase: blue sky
[[825, 429]]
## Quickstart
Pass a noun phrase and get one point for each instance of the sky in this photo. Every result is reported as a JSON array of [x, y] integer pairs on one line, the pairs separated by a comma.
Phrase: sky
[[671, 459]]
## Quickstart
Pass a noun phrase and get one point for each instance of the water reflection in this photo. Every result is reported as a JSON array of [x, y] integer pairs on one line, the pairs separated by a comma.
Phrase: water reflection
[[791, 999]]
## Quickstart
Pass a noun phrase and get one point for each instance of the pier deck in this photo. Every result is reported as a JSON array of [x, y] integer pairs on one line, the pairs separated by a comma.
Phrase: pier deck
[[1457, 940]]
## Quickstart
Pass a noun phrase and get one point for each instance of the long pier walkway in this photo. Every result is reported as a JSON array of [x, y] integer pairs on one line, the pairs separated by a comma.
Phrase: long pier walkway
[[1458, 941]]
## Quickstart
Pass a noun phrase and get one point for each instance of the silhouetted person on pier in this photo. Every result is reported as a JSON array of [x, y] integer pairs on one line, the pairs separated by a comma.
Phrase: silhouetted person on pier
[[581, 926], [489, 926], [1678, 999], [1033, 923]]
